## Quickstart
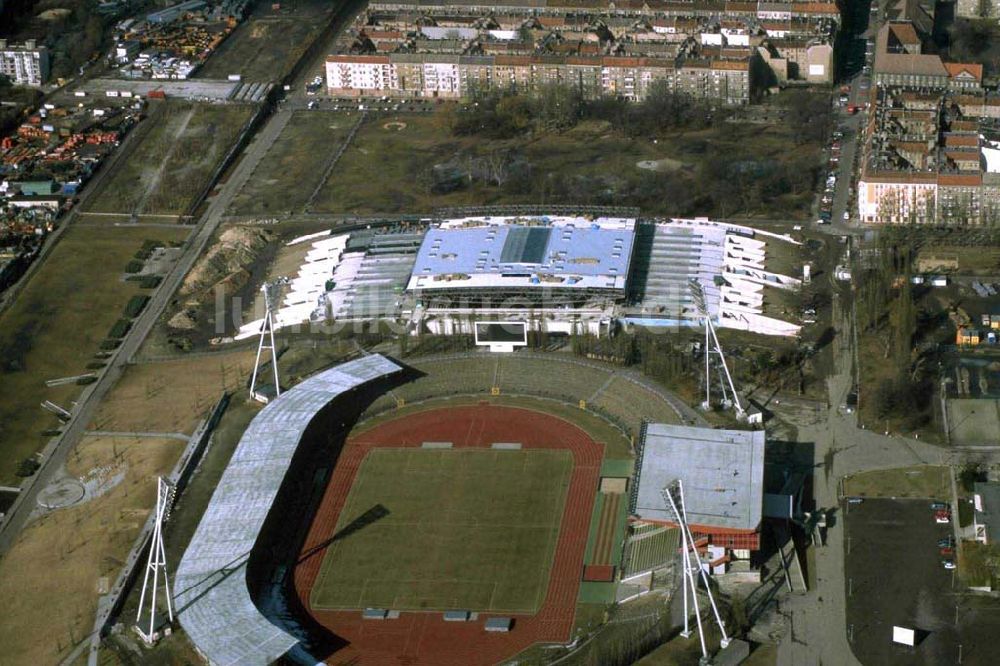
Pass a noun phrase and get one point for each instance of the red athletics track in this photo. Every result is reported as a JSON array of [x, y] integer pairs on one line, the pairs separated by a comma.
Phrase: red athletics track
[[425, 638]]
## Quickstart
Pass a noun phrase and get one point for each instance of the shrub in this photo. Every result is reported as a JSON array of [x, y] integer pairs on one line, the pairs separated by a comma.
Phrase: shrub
[[135, 305], [147, 249], [120, 328], [27, 467], [109, 345], [134, 266]]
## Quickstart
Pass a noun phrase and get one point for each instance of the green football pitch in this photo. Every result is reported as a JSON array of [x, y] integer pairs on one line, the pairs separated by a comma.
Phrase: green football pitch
[[441, 529]]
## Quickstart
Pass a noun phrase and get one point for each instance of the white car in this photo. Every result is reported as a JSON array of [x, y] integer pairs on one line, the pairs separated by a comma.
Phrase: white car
[[948, 564], [847, 216]]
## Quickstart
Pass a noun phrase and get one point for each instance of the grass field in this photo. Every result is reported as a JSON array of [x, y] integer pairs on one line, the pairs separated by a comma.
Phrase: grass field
[[56, 325], [385, 170], [267, 45], [924, 481], [464, 529], [169, 168], [49, 579], [285, 178], [171, 396]]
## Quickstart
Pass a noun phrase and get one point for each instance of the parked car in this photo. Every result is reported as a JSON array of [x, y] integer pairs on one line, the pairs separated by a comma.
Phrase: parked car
[[947, 542], [942, 517], [940, 506], [855, 500], [948, 564], [947, 551]]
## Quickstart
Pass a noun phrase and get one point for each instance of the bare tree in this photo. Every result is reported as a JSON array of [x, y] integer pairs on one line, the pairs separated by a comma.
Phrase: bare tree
[[498, 164]]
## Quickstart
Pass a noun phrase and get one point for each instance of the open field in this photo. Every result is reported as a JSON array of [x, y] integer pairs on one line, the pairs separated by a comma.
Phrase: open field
[[172, 164], [286, 176], [49, 579], [171, 396], [983, 260], [388, 170], [924, 481], [464, 529], [267, 45], [57, 324]]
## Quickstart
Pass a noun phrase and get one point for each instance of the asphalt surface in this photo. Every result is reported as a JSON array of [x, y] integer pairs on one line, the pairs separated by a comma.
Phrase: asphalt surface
[[895, 578]]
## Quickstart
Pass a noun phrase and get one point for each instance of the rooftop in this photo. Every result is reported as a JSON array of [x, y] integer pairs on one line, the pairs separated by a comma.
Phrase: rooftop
[[553, 252], [210, 586], [722, 472], [988, 509]]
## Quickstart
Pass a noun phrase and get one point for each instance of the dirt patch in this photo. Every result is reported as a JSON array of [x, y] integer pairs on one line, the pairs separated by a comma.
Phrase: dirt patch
[[395, 125], [226, 262], [663, 165], [226, 266]]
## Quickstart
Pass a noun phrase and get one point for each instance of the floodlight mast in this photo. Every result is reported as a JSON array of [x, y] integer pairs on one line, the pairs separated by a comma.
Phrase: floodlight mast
[[673, 493], [156, 561], [712, 346], [266, 339]]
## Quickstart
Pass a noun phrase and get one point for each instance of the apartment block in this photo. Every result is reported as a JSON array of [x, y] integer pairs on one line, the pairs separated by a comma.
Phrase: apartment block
[[929, 154], [707, 48], [25, 64]]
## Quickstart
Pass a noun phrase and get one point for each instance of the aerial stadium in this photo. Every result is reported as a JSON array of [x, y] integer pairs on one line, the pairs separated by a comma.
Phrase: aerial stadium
[[446, 531], [457, 509]]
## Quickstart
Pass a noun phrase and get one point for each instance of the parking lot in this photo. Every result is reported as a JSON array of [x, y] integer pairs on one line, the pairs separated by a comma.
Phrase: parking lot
[[895, 576]]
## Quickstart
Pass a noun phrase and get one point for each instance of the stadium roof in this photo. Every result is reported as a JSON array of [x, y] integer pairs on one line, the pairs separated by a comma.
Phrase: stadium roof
[[722, 472], [552, 252], [210, 587]]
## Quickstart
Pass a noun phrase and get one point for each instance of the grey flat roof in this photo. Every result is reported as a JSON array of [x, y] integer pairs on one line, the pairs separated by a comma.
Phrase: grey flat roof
[[989, 493], [722, 472], [210, 588], [590, 254]]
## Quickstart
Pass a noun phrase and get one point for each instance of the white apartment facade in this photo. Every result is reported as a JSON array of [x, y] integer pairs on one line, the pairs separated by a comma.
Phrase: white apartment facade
[[25, 64]]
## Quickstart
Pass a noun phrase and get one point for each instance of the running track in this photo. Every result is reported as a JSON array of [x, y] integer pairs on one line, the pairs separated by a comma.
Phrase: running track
[[424, 638]]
